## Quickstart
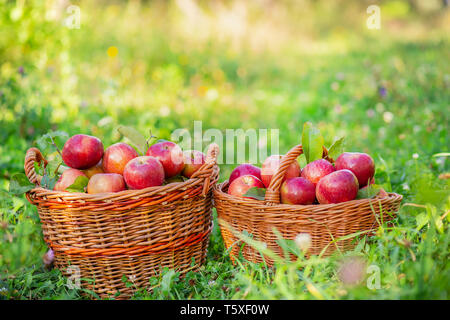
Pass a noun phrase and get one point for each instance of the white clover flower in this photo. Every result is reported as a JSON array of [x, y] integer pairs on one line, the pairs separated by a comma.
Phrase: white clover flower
[[388, 117], [303, 241], [415, 156]]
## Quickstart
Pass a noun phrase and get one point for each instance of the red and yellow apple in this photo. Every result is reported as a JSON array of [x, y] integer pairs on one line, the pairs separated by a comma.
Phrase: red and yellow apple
[[271, 165], [193, 160], [106, 182], [117, 156], [67, 179], [298, 190], [143, 172], [316, 170], [242, 184], [82, 151], [338, 186], [170, 155], [245, 169], [98, 168]]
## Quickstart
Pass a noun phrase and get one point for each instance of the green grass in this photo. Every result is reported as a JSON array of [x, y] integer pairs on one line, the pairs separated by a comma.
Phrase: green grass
[[319, 64]]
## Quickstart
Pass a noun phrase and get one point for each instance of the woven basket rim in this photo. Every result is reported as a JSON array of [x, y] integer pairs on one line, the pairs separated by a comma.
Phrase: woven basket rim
[[126, 194], [219, 192], [205, 177]]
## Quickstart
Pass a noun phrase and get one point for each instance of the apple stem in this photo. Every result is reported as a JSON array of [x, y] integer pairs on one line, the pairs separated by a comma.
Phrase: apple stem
[[149, 139], [54, 144]]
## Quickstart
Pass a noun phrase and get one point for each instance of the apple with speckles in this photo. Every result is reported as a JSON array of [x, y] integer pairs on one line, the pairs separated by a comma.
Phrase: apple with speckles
[[117, 156], [170, 155], [82, 151], [298, 190], [361, 164], [67, 179], [242, 184], [316, 170], [106, 182], [245, 169], [271, 165], [193, 160], [338, 186], [143, 172]]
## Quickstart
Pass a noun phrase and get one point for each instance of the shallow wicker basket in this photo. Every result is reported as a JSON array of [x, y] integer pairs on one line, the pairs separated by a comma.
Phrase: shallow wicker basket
[[130, 234], [324, 223]]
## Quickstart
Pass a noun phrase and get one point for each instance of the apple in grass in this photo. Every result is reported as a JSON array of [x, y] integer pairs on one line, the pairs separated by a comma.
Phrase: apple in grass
[[316, 170], [271, 165], [170, 155], [298, 190], [106, 182], [338, 186], [192, 160], [117, 156], [143, 172], [82, 151], [242, 184], [67, 179], [361, 164], [245, 169]]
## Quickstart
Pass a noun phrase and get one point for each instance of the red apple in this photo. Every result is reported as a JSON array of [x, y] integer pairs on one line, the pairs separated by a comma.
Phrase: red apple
[[270, 167], [241, 185], [106, 182], [82, 151], [361, 164], [338, 186], [316, 170], [193, 160], [298, 191], [245, 169], [117, 156], [67, 179], [170, 155], [98, 168], [143, 172]]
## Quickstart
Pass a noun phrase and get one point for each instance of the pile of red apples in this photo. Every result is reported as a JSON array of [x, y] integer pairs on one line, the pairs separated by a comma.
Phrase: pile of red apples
[[120, 167], [319, 182]]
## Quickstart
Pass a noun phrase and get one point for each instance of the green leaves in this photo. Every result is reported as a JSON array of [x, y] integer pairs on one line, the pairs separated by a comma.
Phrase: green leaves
[[336, 148], [368, 192], [256, 193], [135, 137], [46, 141], [312, 142], [78, 185], [19, 184]]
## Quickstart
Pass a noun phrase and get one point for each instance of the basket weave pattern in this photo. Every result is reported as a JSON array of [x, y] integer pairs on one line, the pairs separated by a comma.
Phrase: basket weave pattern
[[324, 223], [132, 233]]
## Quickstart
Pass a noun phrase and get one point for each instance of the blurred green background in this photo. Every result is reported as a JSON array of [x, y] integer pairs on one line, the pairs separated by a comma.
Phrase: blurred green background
[[160, 65]]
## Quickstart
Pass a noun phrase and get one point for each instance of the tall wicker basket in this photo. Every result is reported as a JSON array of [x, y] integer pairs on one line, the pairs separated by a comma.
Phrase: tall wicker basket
[[324, 223], [129, 235]]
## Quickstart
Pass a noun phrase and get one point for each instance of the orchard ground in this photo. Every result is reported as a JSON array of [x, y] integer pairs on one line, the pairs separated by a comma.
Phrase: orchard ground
[[162, 66]]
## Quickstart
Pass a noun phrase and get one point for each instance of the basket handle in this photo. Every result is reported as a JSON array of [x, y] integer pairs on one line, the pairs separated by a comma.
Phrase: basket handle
[[33, 156], [207, 169], [273, 191]]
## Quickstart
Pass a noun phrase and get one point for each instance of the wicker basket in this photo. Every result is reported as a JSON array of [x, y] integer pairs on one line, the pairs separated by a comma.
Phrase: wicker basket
[[324, 223], [132, 233]]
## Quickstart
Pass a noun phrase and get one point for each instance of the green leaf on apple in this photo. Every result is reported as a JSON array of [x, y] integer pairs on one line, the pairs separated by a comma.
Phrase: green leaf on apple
[[369, 192], [256, 193], [312, 142], [337, 148], [19, 184], [135, 137], [79, 185]]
